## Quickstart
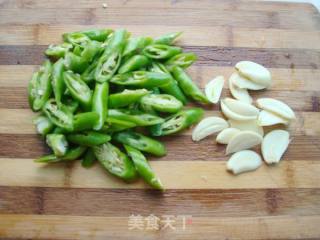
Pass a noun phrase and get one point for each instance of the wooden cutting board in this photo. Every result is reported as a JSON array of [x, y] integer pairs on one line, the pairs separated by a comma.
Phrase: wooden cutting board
[[202, 200]]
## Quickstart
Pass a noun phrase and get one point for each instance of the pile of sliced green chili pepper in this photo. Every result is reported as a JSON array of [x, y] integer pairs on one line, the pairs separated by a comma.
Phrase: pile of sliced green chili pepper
[[98, 90]]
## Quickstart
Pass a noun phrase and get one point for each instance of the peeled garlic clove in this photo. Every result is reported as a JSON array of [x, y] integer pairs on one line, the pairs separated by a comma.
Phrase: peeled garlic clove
[[208, 126], [267, 118], [277, 107], [239, 93], [243, 140], [226, 134], [254, 72], [214, 88], [244, 161], [242, 82], [250, 125], [274, 144], [238, 110]]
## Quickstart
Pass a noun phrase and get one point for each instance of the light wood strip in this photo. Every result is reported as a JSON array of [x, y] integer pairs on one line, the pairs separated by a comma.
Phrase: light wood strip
[[283, 79], [173, 174], [193, 17], [205, 4], [76, 227], [20, 122], [198, 203], [192, 36]]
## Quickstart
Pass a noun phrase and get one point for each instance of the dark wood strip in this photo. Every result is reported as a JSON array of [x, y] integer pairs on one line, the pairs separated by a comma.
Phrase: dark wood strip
[[123, 203], [33, 146], [218, 56], [155, 16], [304, 101]]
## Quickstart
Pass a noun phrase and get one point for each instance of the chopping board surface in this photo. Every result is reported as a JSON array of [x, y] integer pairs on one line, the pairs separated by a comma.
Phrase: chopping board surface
[[202, 200]]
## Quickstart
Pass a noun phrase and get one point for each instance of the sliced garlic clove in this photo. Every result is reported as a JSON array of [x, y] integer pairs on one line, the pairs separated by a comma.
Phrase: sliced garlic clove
[[239, 93], [226, 134], [276, 106], [243, 140], [250, 125], [267, 118], [244, 161], [214, 88], [242, 82], [254, 72], [208, 126], [274, 144], [238, 110]]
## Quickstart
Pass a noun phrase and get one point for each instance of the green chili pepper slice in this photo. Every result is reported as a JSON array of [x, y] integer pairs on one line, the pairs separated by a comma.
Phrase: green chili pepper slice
[[161, 103], [89, 74], [88, 138], [182, 60], [58, 85], [75, 63], [79, 90], [90, 50], [142, 79], [98, 34], [172, 87], [85, 121], [71, 104], [168, 38], [43, 125], [115, 161], [59, 115], [135, 45], [107, 65], [115, 125], [58, 143], [100, 103], [161, 51], [188, 86], [76, 38], [134, 63], [126, 97], [177, 122], [135, 116], [141, 142], [58, 51], [143, 168], [39, 89], [89, 159], [71, 154]]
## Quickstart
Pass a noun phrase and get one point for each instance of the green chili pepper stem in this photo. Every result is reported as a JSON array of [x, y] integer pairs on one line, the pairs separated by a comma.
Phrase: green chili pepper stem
[[71, 155], [115, 161], [126, 97], [188, 86], [141, 142], [100, 103], [89, 138], [143, 168], [89, 159]]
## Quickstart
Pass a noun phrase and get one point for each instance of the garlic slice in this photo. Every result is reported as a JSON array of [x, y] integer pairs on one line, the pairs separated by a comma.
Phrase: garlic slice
[[239, 93], [274, 144], [276, 106], [254, 72], [267, 118], [244, 161], [208, 126], [213, 89], [238, 110], [226, 134], [250, 125], [243, 140], [242, 82]]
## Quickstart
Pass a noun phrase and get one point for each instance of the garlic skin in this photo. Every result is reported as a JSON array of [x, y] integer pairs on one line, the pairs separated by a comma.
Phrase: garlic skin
[[225, 135], [243, 140], [244, 161], [274, 145], [276, 106], [208, 126], [237, 110], [213, 89], [267, 118]]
